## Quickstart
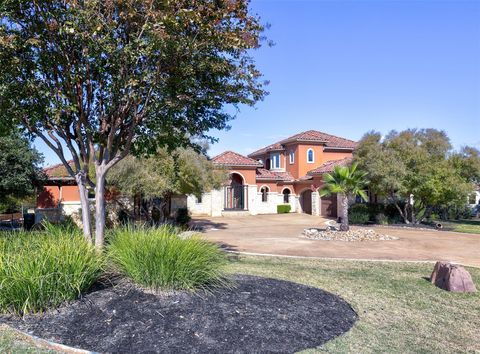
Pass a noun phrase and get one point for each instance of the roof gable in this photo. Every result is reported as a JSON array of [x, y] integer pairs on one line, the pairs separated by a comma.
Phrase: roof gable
[[230, 158], [310, 136]]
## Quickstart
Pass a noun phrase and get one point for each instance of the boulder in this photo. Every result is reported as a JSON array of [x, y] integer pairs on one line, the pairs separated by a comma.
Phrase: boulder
[[452, 277]]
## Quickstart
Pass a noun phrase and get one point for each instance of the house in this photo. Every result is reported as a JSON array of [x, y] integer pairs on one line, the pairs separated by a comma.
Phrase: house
[[289, 171], [59, 196]]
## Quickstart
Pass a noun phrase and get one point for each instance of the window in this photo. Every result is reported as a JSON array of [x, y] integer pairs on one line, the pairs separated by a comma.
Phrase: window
[[264, 192], [267, 164], [310, 156], [292, 157], [286, 195], [199, 199], [275, 160], [472, 198]]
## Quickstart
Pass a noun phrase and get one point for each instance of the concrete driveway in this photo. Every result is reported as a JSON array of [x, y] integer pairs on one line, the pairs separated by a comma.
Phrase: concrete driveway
[[281, 235]]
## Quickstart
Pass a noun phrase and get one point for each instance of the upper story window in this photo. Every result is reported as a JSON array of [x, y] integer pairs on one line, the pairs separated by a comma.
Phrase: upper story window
[[292, 156], [275, 160], [310, 156]]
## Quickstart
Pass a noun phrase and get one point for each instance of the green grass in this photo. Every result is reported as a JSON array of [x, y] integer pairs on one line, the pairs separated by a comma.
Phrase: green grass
[[159, 259], [399, 311], [471, 226], [39, 270]]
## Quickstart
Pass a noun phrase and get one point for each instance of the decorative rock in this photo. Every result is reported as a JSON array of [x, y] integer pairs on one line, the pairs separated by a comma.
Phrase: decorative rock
[[333, 234], [452, 277]]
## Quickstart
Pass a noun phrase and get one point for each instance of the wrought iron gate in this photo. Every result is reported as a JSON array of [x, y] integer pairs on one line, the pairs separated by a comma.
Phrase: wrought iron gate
[[236, 197]]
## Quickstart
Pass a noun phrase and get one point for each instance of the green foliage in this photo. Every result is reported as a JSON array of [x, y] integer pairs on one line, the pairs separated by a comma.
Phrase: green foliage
[[358, 214], [20, 170], [183, 171], [348, 181], [283, 208], [104, 79], [158, 258], [183, 216], [40, 270], [421, 163]]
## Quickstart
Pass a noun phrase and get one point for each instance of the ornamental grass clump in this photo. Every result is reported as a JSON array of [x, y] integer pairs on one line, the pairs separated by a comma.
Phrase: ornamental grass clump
[[40, 270], [157, 258]]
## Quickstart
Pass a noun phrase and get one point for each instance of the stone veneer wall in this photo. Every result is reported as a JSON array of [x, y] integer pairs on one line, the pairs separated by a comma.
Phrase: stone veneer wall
[[212, 202]]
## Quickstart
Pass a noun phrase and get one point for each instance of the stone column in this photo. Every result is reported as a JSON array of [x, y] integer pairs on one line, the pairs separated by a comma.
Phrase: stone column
[[217, 201], [315, 203], [253, 199]]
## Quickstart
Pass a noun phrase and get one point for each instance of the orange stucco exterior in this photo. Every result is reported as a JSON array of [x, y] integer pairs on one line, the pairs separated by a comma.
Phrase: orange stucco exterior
[[51, 196]]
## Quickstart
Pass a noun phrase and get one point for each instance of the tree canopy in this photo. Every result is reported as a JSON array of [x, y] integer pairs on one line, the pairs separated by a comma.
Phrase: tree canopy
[[20, 170], [183, 171], [102, 79], [418, 170]]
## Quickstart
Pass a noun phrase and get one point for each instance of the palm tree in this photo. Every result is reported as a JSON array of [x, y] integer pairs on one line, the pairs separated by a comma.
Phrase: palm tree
[[348, 182]]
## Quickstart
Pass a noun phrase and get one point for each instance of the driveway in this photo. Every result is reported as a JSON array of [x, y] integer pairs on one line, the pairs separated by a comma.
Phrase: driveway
[[281, 235]]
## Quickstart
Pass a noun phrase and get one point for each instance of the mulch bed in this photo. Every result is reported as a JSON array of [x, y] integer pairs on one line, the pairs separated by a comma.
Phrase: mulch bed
[[257, 315]]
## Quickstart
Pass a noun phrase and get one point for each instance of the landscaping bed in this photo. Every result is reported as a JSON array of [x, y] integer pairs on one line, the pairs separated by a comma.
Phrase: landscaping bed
[[257, 314]]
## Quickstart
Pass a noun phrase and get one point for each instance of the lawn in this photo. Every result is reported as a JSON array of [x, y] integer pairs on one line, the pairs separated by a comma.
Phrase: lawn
[[471, 226], [399, 311]]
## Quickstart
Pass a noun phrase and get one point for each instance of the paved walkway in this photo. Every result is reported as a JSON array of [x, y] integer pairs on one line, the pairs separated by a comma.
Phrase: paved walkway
[[280, 235]]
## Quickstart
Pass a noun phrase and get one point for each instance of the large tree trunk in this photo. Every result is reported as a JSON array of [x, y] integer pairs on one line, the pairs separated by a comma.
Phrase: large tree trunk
[[81, 182], [344, 226], [100, 207]]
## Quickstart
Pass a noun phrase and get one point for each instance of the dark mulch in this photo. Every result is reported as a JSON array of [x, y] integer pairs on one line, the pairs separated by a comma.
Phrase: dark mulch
[[258, 315]]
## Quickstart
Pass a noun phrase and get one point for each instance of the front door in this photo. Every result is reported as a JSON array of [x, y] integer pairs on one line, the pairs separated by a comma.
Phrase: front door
[[307, 201]]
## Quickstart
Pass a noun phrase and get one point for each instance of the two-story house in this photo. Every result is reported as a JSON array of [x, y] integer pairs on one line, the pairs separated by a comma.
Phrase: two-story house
[[287, 172]]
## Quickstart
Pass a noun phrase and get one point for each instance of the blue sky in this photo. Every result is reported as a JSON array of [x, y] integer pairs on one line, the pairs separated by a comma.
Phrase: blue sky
[[347, 67]]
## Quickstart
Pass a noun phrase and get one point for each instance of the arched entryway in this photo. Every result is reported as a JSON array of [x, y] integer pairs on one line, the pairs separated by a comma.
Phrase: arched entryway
[[306, 201], [286, 195], [235, 193]]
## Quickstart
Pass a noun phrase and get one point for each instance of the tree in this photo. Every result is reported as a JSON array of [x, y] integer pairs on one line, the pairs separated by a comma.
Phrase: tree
[[183, 171], [20, 170], [103, 79], [416, 170], [348, 182]]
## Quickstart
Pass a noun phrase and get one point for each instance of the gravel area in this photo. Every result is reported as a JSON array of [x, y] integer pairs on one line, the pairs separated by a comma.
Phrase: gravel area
[[257, 315], [353, 235]]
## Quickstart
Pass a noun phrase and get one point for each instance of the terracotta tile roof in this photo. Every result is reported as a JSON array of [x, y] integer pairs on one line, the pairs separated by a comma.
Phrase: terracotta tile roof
[[330, 141], [272, 147], [57, 171], [230, 158], [329, 165], [263, 173]]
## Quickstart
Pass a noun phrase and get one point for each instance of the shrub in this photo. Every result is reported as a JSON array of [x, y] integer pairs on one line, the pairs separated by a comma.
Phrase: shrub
[[358, 214], [283, 208], [183, 216], [39, 270], [158, 258], [381, 219]]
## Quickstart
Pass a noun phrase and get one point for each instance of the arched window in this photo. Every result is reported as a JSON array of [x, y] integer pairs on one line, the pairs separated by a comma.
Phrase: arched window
[[310, 156], [286, 195], [264, 191]]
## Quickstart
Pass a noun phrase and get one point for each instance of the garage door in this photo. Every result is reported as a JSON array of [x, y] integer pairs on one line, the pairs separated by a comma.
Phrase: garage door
[[329, 206]]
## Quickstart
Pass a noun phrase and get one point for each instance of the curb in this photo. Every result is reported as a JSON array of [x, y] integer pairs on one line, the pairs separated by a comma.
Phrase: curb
[[46, 344], [345, 259]]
